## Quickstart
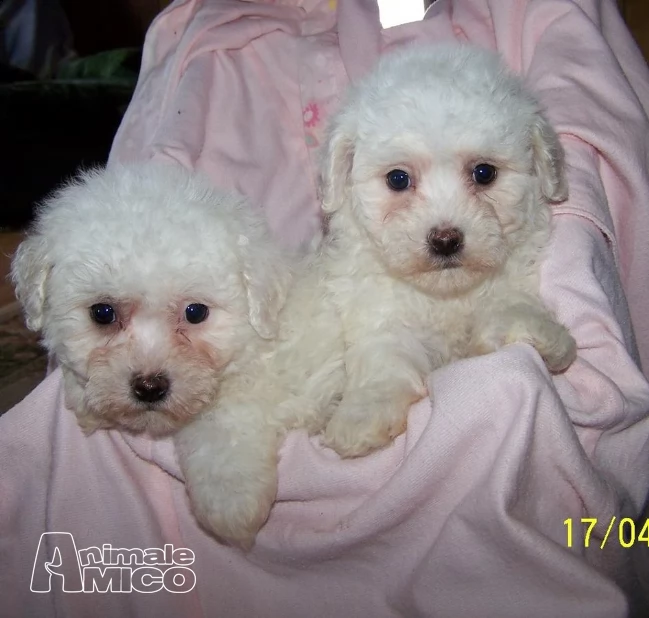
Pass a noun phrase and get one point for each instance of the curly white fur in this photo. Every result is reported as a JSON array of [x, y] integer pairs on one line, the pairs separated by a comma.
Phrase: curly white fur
[[148, 240], [374, 311]]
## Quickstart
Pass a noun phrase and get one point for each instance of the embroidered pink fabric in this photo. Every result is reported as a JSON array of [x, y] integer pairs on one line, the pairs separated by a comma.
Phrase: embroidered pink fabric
[[465, 515]]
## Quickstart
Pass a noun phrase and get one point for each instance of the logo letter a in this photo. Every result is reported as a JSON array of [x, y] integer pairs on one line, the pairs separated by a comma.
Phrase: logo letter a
[[56, 555]]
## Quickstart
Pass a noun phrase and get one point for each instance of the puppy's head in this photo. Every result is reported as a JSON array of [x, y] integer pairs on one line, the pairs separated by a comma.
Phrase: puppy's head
[[147, 285], [445, 163]]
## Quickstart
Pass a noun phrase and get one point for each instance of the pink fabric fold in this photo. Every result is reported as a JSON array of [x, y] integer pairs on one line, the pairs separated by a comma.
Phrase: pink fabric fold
[[464, 515]]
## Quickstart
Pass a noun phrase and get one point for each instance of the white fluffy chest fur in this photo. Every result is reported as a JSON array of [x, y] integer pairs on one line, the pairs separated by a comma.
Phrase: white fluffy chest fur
[[370, 300]]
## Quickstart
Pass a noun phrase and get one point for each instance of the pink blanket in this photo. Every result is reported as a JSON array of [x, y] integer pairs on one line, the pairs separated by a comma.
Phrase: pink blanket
[[477, 509]]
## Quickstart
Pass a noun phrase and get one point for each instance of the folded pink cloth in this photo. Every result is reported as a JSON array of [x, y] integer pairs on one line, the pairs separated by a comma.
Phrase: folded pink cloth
[[476, 510]]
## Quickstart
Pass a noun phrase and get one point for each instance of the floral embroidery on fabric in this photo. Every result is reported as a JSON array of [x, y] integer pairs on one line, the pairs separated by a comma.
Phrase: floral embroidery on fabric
[[311, 115]]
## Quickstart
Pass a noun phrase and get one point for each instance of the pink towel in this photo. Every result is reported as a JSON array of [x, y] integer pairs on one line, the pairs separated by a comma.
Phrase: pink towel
[[476, 511]]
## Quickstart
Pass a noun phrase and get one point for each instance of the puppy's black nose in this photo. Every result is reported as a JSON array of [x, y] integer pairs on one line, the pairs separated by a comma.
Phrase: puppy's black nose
[[445, 241], [150, 388]]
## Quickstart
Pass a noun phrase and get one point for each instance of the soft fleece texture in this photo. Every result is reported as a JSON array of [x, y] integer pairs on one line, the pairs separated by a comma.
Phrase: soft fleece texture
[[464, 514]]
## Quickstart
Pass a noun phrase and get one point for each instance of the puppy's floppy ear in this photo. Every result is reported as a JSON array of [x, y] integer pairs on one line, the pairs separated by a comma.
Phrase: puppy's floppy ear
[[266, 276], [30, 268], [336, 165], [549, 160]]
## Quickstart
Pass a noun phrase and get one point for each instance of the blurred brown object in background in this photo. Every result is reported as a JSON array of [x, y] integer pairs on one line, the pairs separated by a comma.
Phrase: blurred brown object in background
[[101, 25], [636, 15]]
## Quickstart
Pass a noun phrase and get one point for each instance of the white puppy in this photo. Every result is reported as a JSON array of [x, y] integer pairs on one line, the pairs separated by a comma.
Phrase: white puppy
[[437, 176], [148, 286]]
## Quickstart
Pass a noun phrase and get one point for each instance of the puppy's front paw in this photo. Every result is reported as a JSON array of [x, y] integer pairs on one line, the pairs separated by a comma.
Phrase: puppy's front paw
[[359, 427], [234, 512], [551, 340], [230, 473], [558, 348]]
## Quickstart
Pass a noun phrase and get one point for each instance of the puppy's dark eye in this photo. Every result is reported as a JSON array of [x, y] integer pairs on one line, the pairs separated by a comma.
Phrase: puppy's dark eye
[[103, 313], [398, 180], [196, 313], [484, 174]]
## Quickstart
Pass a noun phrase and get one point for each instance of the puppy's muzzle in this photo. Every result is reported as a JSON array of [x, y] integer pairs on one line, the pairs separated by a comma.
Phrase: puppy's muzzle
[[445, 242], [151, 388]]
